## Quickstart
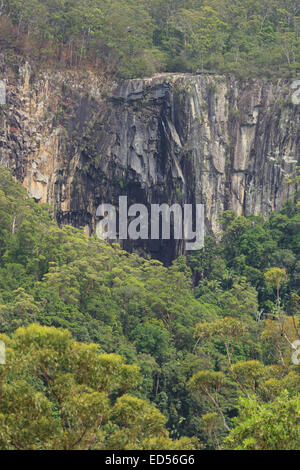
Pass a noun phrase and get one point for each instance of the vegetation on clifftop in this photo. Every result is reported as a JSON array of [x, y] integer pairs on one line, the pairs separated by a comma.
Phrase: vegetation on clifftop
[[139, 37]]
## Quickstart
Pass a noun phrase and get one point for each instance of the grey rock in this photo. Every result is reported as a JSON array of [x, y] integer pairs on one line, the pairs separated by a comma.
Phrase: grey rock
[[171, 138]]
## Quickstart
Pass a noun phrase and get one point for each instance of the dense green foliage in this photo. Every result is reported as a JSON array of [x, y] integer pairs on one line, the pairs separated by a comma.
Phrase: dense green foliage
[[140, 37], [59, 394], [268, 426], [211, 335]]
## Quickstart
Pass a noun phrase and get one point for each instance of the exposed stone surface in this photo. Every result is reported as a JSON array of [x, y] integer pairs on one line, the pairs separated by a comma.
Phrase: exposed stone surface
[[75, 142]]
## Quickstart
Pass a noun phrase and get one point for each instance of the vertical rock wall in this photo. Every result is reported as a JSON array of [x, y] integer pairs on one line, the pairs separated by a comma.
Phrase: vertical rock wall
[[76, 141]]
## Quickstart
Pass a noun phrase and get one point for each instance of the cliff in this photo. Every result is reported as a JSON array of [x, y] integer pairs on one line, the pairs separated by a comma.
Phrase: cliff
[[75, 141]]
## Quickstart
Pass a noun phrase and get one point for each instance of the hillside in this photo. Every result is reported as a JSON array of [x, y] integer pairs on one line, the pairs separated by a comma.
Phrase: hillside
[[128, 335], [212, 323], [136, 38]]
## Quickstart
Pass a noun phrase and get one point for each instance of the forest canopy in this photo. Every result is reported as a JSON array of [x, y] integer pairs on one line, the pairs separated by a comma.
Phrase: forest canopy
[[107, 350], [133, 38]]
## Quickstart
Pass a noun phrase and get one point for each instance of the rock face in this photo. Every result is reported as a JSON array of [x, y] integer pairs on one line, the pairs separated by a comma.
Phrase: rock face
[[76, 141]]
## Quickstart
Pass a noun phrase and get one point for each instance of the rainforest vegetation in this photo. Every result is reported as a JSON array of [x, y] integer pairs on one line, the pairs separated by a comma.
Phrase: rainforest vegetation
[[131, 38], [106, 350]]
